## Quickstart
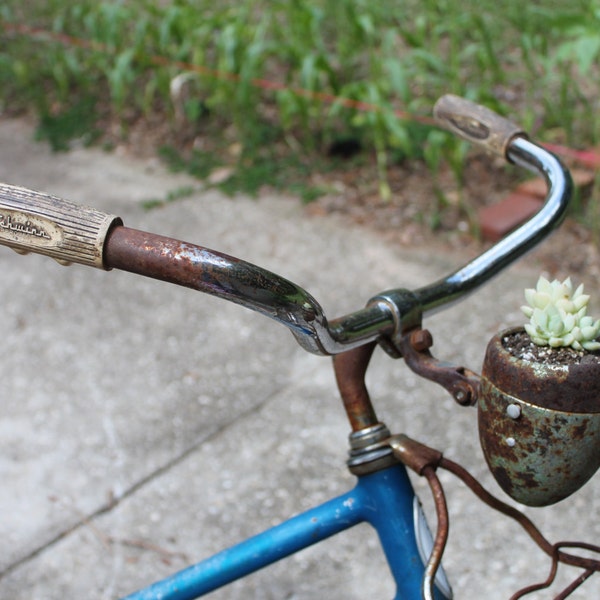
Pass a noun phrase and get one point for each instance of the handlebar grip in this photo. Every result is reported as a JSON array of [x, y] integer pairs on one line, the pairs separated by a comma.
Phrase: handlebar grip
[[35, 222], [476, 123]]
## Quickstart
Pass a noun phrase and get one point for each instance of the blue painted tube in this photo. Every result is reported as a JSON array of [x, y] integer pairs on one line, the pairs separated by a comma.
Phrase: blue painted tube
[[389, 508], [390, 511], [257, 552], [384, 499]]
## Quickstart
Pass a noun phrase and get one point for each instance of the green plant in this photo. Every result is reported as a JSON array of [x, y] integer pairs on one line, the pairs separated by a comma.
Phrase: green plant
[[558, 316], [74, 122], [172, 196], [312, 71], [581, 37], [248, 174]]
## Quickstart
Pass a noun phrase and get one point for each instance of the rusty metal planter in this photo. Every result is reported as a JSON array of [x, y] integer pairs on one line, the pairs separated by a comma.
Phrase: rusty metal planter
[[539, 425]]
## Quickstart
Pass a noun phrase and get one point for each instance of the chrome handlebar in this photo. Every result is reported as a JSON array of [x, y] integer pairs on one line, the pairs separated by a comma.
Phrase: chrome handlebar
[[392, 312], [36, 222], [386, 315]]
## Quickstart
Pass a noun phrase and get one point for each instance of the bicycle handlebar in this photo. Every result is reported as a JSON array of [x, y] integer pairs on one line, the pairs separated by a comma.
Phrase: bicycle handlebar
[[476, 123], [36, 222]]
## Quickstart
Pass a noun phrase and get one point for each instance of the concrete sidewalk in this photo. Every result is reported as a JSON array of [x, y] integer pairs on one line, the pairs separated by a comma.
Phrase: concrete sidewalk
[[145, 426]]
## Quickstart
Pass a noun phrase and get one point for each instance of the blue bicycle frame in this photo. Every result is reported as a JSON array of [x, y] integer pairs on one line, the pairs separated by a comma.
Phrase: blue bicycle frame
[[384, 499], [383, 496]]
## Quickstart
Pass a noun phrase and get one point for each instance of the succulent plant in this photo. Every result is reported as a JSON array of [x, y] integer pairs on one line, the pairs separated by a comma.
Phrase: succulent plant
[[558, 316]]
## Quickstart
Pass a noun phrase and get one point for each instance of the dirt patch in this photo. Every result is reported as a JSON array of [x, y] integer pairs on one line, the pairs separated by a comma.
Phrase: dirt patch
[[519, 344], [436, 214]]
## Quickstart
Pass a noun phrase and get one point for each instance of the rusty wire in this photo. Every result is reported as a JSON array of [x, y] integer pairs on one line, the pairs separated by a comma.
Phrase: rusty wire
[[575, 584], [441, 536], [553, 550], [552, 575]]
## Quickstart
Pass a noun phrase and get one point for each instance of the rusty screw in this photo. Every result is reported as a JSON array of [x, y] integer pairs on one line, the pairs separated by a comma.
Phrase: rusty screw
[[513, 411], [421, 339], [463, 394]]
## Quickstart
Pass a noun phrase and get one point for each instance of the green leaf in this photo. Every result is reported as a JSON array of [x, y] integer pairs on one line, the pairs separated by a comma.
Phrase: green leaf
[[586, 50], [366, 24]]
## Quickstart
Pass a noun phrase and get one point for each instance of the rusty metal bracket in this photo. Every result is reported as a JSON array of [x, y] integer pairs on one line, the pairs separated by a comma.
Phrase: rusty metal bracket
[[462, 383], [416, 456]]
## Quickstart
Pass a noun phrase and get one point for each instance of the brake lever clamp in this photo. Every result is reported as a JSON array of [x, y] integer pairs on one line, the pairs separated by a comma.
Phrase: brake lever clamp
[[462, 383]]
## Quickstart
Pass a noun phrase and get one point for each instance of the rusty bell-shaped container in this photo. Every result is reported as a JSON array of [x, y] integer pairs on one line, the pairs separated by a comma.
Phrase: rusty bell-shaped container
[[539, 425]]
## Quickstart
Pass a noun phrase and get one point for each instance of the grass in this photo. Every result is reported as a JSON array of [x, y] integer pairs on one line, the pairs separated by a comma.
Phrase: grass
[[263, 169], [197, 64], [75, 122], [171, 196]]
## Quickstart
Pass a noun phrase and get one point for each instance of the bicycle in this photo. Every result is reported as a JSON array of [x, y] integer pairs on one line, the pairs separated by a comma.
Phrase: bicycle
[[38, 223]]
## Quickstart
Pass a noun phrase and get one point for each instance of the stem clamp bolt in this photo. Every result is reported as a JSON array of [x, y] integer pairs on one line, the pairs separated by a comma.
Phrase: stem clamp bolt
[[421, 339]]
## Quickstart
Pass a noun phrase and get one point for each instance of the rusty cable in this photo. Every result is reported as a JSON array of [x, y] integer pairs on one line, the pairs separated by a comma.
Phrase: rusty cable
[[575, 584], [424, 461], [441, 536], [553, 550], [544, 584]]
